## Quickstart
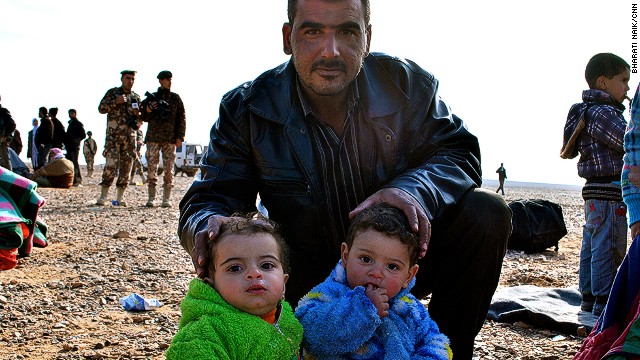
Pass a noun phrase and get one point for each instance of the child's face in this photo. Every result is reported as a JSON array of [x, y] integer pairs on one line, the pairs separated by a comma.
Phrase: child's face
[[380, 260], [617, 86], [248, 273]]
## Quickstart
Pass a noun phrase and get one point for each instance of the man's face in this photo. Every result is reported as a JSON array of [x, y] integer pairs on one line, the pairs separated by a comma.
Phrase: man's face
[[35, 122], [72, 115], [165, 83], [329, 41], [127, 81]]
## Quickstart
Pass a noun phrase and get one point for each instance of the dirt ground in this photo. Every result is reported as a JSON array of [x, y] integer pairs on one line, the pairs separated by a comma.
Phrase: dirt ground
[[62, 301]]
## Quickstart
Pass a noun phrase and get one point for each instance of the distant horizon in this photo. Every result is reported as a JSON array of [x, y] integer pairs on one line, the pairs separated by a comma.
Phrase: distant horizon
[[513, 183]]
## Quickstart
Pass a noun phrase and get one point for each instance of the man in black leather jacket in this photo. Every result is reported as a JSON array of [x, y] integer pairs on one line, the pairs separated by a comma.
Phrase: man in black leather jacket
[[335, 130]]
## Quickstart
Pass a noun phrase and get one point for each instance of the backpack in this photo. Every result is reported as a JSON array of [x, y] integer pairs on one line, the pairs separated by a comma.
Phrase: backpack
[[537, 225]]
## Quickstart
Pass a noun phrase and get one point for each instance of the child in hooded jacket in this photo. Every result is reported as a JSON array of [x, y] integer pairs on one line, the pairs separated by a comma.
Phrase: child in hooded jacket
[[238, 311], [364, 310]]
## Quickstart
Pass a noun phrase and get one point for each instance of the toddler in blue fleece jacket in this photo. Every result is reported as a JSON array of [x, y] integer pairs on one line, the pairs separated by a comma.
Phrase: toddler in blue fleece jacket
[[364, 309]]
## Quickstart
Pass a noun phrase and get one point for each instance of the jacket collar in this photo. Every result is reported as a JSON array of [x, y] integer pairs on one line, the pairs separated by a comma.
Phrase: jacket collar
[[601, 97], [282, 80]]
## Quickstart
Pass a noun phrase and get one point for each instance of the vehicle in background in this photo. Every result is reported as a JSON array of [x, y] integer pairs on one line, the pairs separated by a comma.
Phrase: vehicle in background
[[187, 159]]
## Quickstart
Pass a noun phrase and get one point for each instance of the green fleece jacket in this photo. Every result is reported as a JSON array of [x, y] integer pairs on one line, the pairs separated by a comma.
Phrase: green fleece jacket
[[210, 328]]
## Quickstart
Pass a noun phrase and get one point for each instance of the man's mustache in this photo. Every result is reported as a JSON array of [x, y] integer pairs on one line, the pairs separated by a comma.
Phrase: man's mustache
[[329, 64]]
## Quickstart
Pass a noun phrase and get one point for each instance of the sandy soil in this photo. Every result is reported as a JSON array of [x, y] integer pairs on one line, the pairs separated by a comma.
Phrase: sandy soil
[[62, 301]]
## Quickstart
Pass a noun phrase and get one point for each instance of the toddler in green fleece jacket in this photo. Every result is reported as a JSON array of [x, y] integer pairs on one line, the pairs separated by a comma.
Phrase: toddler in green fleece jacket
[[239, 311]]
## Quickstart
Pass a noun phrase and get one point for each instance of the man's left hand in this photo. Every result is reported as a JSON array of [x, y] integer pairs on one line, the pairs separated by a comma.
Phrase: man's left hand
[[414, 212]]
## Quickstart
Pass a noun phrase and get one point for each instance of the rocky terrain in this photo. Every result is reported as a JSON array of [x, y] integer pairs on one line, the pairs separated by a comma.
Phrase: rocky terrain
[[62, 301]]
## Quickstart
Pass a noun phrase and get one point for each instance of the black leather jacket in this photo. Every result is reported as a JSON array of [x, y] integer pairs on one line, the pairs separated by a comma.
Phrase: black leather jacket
[[261, 144]]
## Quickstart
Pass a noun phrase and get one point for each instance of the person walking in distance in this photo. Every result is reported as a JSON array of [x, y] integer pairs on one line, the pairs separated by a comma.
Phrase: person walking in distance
[[59, 134], [121, 105], [167, 124], [502, 175], [89, 149], [73, 138], [32, 149], [44, 137]]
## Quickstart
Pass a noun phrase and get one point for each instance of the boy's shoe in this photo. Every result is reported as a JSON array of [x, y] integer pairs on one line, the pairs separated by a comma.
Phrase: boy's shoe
[[598, 309], [587, 302], [586, 306], [598, 306]]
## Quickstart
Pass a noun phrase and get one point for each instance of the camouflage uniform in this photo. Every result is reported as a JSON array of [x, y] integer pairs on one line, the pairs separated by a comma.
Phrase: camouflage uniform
[[90, 148], [137, 164], [162, 133], [120, 140]]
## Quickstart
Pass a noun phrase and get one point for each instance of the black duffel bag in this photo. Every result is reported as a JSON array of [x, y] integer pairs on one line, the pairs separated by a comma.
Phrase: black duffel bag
[[537, 225]]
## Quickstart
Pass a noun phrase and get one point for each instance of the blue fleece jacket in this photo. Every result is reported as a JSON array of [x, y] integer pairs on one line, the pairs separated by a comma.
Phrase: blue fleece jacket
[[342, 323]]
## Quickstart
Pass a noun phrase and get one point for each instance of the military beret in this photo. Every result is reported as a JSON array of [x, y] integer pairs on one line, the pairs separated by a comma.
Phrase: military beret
[[165, 74], [127, 72]]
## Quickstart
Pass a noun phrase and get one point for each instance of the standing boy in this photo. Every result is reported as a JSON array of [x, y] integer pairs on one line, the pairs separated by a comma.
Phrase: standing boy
[[595, 129]]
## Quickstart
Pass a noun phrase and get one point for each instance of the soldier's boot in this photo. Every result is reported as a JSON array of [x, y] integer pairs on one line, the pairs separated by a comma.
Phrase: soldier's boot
[[104, 192], [166, 197], [152, 196], [120, 197]]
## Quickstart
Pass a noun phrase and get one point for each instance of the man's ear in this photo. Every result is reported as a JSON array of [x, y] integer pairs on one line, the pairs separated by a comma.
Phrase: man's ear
[[286, 38], [368, 34], [412, 273]]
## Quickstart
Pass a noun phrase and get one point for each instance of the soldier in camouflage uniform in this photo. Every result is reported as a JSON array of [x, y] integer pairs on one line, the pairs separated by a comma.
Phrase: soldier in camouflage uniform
[[123, 119], [167, 125], [137, 164], [89, 148]]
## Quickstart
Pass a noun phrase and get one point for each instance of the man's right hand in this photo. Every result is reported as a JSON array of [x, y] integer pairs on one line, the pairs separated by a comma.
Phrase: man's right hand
[[199, 252]]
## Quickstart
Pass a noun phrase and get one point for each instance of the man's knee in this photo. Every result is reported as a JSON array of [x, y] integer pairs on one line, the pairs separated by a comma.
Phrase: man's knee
[[487, 209]]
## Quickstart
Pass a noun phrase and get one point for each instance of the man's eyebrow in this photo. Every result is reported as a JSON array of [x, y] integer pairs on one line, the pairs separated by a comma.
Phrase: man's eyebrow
[[317, 25]]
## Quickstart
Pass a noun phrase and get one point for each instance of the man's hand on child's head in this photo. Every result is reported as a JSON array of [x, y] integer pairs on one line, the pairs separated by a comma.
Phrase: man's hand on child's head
[[199, 252], [379, 298], [411, 208]]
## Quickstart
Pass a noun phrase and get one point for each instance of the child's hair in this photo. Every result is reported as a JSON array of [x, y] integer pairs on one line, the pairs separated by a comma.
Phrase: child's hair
[[389, 220], [248, 224], [604, 64]]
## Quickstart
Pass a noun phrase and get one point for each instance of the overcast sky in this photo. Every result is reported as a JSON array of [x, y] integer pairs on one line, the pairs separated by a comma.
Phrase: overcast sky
[[510, 69]]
